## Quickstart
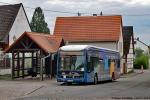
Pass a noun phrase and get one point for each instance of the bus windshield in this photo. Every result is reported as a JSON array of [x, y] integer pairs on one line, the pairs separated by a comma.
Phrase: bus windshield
[[69, 62]]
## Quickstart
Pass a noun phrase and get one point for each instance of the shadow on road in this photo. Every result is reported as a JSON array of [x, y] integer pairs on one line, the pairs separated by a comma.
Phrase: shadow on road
[[85, 84]]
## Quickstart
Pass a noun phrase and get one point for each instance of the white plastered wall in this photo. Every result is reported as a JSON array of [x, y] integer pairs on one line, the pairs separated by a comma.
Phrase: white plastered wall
[[110, 45], [19, 26], [130, 57]]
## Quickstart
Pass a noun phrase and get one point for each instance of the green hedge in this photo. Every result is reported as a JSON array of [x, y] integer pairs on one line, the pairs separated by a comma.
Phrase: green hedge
[[141, 60]]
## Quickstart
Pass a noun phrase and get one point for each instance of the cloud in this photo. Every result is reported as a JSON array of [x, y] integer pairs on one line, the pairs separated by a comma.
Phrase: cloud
[[125, 7], [142, 2]]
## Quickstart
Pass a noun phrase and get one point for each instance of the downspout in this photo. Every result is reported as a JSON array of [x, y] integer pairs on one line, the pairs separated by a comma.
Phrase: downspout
[[43, 63]]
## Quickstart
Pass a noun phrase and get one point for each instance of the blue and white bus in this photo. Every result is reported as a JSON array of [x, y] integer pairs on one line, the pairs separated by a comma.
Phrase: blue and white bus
[[86, 64]]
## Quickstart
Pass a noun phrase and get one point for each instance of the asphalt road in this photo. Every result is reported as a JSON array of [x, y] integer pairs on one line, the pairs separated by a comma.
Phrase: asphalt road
[[133, 86]]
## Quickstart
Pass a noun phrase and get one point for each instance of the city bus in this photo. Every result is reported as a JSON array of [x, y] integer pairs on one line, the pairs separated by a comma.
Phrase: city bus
[[87, 64]]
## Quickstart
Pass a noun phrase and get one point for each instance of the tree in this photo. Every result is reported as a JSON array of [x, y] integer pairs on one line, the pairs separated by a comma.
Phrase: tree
[[138, 52], [141, 59], [38, 23]]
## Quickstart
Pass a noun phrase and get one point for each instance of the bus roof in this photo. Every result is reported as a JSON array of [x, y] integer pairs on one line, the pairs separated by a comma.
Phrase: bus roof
[[82, 47]]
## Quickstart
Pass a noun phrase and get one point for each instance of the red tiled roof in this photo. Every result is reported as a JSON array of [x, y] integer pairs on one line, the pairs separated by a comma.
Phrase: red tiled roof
[[89, 28], [48, 43]]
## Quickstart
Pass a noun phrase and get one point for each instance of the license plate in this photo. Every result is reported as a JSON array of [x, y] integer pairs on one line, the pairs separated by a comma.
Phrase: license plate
[[69, 80]]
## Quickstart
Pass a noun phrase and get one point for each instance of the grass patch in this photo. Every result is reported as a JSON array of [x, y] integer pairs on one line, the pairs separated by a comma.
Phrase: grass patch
[[5, 77]]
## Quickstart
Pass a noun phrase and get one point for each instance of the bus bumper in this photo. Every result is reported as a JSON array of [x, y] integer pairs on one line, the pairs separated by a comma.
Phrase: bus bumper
[[81, 80]]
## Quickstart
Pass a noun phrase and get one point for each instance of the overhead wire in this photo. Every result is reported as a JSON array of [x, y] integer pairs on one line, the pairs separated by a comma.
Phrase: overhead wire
[[80, 13]]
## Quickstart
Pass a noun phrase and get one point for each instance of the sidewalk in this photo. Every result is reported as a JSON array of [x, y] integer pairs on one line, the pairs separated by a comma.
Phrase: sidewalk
[[136, 72]]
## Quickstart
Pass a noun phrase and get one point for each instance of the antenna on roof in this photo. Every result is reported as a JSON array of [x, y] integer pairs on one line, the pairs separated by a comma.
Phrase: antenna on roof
[[101, 13], [79, 14]]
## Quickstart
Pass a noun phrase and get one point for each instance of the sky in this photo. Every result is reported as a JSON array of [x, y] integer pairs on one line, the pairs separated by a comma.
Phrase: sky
[[135, 13]]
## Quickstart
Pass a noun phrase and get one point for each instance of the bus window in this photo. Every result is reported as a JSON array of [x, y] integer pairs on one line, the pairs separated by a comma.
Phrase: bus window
[[93, 63], [96, 64], [66, 63], [109, 62], [106, 64], [89, 64], [118, 63], [72, 62]]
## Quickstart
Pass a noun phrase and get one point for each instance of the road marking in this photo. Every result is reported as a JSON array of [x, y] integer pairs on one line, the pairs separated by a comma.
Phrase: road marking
[[34, 90]]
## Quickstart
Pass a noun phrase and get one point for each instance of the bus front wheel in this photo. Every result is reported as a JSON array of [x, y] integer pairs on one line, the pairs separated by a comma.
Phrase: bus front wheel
[[95, 79]]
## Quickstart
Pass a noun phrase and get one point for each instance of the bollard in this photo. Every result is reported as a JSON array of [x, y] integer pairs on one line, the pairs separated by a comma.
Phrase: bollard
[[142, 69]]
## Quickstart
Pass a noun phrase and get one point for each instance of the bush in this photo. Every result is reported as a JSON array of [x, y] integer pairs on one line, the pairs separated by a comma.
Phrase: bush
[[141, 60]]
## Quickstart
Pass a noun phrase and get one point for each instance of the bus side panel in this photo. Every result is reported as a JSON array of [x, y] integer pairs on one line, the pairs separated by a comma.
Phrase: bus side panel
[[89, 77], [107, 68], [118, 67], [102, 73]]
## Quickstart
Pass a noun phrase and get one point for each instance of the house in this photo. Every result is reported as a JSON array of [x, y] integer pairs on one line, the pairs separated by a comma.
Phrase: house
[[13, 22], [101, 31], [128, 46], [33, 50]]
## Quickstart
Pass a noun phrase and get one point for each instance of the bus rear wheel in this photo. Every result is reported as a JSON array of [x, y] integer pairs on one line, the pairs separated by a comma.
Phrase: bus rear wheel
[[95, 79]]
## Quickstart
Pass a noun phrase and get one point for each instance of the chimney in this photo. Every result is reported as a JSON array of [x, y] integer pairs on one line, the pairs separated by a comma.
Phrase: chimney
[[79, 14], [101, 13]]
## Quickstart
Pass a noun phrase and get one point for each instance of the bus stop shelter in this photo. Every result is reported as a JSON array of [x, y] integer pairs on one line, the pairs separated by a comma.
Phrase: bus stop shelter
[[34, 54]]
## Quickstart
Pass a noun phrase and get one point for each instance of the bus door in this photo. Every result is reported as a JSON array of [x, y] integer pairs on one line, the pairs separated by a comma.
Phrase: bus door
[[90, 70], [101, 70], [93, 68], [112, 67]]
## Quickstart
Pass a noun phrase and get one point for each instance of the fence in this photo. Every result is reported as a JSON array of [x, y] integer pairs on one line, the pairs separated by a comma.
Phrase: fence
[[5, 61]]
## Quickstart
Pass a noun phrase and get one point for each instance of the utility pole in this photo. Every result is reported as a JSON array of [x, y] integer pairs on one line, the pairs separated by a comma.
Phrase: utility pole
[[148, 46]]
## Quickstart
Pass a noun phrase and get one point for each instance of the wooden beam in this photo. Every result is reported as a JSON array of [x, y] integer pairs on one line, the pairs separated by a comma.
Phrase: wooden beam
[[25, 50], [37, 61], [18, 64], [27, 45], [41, 66], [23, 44], [51, 65], [41, 70], [23, 64], [30, 45], [13, 64], [25, 57], [32, 62]]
